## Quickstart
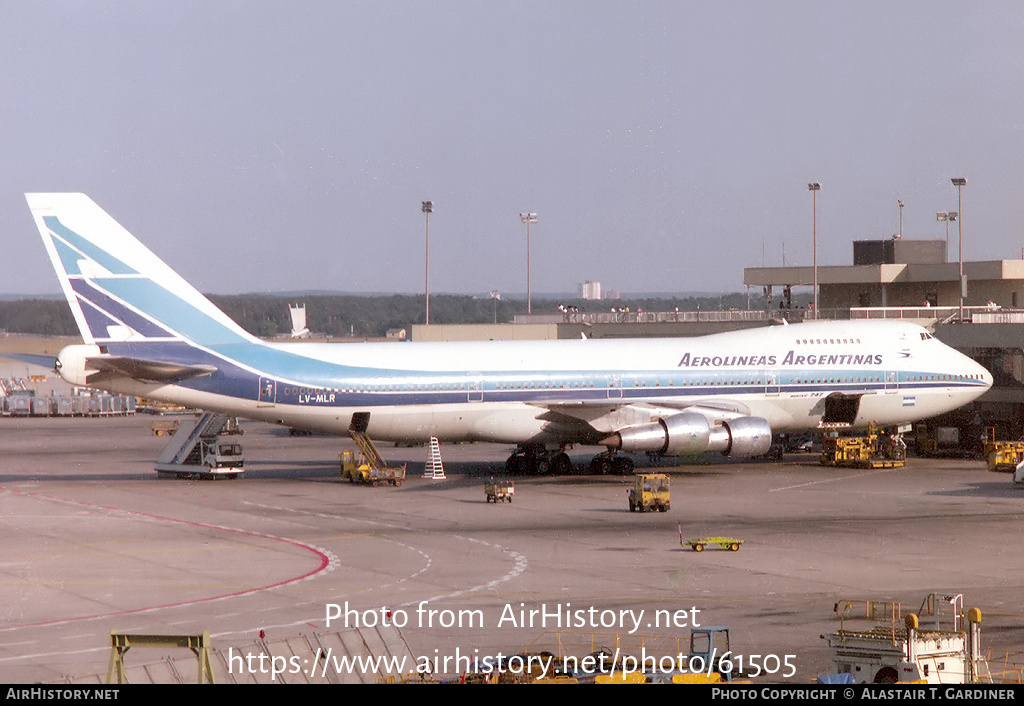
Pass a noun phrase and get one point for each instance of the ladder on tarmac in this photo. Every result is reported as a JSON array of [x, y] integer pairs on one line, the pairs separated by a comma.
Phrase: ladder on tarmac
[[434, 469]]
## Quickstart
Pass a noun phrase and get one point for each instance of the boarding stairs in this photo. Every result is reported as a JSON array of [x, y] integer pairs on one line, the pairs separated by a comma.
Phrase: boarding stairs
[[184, 452]]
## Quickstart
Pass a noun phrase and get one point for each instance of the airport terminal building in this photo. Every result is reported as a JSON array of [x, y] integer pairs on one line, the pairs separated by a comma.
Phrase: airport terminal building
[[895, 279], [908, 279]]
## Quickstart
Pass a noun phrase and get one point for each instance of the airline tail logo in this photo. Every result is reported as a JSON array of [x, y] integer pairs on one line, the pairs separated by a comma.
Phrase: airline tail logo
[[119, 290]]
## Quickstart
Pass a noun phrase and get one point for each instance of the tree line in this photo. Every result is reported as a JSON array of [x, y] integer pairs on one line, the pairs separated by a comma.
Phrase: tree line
[[361, 316]]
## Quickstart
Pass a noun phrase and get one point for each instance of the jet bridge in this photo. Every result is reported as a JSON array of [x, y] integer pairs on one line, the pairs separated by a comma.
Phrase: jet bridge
[[197, 450]]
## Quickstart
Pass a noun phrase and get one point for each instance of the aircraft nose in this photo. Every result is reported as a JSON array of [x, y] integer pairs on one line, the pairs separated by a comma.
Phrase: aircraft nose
[[978, 372], [986, 377]]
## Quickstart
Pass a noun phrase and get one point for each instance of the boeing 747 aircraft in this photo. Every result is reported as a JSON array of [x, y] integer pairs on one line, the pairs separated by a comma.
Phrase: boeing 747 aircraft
[[147, 332]]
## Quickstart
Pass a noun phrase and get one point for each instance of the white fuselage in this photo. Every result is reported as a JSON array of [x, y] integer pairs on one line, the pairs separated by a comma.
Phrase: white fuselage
[[520, 392]]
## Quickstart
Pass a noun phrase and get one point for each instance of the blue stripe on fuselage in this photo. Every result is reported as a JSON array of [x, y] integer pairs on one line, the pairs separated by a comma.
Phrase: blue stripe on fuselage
[[312, 382]]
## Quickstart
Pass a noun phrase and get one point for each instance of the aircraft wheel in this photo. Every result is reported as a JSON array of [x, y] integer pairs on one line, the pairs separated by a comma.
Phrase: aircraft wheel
[[734, 547], [623, 465], [516, 464], [561, 464], [698, 547]]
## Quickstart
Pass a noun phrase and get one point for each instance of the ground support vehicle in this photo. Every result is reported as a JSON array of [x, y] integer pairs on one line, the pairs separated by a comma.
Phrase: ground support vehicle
[[499, 491], [650, 492], [367, 465], [165, 426], [937, 441], [900, 646], [1002, 455], [698, 545], [710, 651], [356, 468], [875, 449], [197, 449]]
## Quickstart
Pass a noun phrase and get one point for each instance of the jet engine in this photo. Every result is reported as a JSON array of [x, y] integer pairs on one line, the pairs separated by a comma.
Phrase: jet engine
[[690, 433], [71, 363]]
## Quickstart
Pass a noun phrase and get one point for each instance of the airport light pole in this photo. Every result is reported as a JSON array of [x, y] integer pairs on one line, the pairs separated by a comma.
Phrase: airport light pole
[[528, 218], [946, 217], [960, 183], [814, 188], [427, 207], [900, 202], [495, 297]]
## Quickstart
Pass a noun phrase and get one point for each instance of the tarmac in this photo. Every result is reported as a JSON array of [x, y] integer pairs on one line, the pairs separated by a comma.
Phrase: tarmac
[[94, 541]]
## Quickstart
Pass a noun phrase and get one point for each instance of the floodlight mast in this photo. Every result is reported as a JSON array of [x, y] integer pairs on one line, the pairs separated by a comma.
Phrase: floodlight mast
[[427, 207], [960, 183], [528, 218], [814, 188]]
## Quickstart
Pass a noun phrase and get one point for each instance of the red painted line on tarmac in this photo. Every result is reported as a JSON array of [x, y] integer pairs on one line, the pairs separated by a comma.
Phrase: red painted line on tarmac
[[324, 561]]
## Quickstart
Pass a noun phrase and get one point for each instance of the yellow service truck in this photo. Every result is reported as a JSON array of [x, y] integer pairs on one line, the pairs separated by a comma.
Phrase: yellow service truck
[[649, 492]]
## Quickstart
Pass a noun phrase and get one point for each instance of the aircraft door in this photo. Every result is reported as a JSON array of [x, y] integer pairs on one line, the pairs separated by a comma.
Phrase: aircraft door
[[474, 387], [771, 383], [268, 392], [891, 383], [614, 389]]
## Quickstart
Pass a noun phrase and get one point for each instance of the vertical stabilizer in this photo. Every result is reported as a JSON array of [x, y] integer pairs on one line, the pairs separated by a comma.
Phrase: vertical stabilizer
[[117, 288]]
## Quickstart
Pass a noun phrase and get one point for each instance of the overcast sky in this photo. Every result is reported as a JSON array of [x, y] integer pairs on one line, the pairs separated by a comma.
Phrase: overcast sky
[[665, 146]]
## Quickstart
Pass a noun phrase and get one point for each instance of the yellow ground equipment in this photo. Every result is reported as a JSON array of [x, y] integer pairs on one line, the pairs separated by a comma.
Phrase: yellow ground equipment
[[1002, 455], [357, 468], [698, 545], [165, 426], [499, 491], [937, 441], [875, 449], [367, 466], [649, 492]]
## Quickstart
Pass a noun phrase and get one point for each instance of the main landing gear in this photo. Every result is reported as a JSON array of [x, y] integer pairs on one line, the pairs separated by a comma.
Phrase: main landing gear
[[538, 460], [609, 462]]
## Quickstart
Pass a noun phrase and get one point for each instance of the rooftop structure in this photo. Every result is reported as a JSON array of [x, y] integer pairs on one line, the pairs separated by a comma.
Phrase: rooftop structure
[[908, 274]]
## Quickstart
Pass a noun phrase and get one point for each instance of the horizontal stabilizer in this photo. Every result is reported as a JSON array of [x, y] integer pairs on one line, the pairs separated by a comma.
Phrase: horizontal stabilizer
[[43, 361], [144, 370]]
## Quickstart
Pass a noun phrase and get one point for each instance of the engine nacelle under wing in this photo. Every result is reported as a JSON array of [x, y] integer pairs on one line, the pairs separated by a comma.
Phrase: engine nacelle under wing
[[746, 436], [690, 433]]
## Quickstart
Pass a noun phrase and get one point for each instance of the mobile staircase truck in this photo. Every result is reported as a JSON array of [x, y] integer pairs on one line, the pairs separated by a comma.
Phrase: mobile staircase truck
[[197, 449], [367, 466], [899, 647]]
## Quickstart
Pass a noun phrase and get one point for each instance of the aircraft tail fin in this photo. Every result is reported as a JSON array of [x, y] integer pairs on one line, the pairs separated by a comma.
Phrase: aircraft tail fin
[[117, 288]]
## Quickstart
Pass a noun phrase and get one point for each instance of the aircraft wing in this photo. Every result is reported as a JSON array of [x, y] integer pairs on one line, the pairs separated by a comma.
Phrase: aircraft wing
[[608, 416]]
